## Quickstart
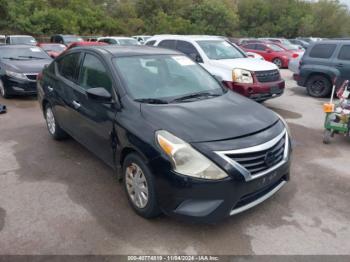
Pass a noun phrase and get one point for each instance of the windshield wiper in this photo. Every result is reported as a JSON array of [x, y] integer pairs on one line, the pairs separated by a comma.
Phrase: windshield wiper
[[195, 95], [31, 57], [151, 101], [12, 58]]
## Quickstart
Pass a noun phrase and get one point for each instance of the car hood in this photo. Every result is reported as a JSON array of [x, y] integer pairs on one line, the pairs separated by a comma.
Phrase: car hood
[[27, 66], [225, 117], [250, 64]]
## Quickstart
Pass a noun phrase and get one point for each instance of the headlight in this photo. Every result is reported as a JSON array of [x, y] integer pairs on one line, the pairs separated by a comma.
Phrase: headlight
[[185, 159], [242, 76], [16, 75]]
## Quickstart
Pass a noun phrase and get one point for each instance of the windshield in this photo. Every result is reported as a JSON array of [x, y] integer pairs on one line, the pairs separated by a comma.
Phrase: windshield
[[275, 47], [220, 49], [128, 42], [166, 77], [290, 47], [23, 40], [54, 48], [23, 53], [71, 39]]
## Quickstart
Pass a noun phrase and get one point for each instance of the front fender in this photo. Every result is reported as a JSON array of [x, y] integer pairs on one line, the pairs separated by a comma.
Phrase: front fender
[[307, 70]]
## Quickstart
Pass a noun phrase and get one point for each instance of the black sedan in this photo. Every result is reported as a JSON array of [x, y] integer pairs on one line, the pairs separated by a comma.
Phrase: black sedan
[[19, 67], [182, 144]]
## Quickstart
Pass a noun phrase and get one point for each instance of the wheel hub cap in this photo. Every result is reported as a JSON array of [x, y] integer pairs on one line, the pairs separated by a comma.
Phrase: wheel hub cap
[[50, 119], [136, 185]]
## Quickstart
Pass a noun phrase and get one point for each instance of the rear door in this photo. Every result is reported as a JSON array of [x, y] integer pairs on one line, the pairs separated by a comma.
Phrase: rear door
[[342, 62], [67, 73], [93, 120]]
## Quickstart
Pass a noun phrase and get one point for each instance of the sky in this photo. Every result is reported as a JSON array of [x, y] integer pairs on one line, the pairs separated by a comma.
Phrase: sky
[[347, 2]]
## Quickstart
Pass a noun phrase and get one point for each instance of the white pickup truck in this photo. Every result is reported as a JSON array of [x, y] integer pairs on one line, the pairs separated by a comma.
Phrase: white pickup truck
[[256, 79]]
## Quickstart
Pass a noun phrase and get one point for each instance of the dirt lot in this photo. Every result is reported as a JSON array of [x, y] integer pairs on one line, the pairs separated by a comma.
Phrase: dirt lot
[[57, 198]]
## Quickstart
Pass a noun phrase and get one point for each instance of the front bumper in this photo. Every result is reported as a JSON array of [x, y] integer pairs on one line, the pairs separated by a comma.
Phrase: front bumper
[[211, 201], [258, 91], [19, 87]]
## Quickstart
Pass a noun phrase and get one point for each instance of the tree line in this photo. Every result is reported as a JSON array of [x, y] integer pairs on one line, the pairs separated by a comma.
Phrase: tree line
[[237, 18]]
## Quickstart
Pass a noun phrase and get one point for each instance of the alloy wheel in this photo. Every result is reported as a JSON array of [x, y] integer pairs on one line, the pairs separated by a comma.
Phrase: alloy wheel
[[50, 120], [278, 62], [2, 90], [136, 185]]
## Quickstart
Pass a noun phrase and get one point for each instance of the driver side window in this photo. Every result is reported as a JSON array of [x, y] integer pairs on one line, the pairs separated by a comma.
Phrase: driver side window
[[94, 74]]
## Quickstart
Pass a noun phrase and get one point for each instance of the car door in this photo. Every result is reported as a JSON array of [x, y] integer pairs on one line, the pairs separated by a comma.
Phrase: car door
[[263, 51], [342, 62], [94, 121], [66, 80]]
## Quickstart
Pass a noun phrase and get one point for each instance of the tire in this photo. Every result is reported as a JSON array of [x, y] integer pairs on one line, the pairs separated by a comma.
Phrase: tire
[[53, 127], [3, 91], [319, 86], [327, 134], [278, 62], [134, 167]]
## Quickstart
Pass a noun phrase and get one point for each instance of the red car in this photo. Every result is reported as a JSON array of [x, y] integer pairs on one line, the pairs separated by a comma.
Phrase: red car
[[84, 43], [271, 52], [52, 49]]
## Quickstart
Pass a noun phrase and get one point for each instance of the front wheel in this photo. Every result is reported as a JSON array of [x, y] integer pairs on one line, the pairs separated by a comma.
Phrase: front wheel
[[139, 186], [278, 62], [54, 128], [327, 134], [3, 91]]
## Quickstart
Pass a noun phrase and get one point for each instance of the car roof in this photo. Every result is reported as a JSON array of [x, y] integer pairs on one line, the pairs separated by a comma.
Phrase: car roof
[[116, 37], [17, 46], [333, 41], [186, 37], [20, 36], [120, 51]]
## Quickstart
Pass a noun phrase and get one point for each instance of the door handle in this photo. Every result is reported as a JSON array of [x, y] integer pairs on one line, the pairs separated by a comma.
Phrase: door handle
[[339, 65], [49, 88], [76, 104]]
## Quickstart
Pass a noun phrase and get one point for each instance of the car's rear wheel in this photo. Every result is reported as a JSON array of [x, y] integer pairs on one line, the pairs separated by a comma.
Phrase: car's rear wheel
[[54, 128], [278, 62], [319, 86], [139, 186], [3, 91]]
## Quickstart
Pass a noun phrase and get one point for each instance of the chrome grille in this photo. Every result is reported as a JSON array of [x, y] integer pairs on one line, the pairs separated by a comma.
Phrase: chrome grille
[[268, 76], [31, 77], [257, 162], [254, 162]]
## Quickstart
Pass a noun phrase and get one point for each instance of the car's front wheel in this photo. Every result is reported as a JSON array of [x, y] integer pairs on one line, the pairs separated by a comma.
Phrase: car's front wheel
[[3, 91], [54, 128], [319, 86], [278, 62], [139, 186]]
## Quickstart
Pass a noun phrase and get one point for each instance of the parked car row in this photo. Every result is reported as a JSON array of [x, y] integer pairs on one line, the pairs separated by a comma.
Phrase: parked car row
[[236, 69]]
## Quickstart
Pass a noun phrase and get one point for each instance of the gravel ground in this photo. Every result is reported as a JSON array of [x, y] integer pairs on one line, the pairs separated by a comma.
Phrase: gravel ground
[[57, 198]]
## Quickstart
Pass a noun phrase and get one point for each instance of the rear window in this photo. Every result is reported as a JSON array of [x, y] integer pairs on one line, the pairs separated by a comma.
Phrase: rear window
[[167, 44], [151, 43], [322, 50], [344, 53]]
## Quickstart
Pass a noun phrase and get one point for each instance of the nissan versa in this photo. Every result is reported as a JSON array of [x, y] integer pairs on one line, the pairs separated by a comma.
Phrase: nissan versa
[[182, 144], [19, 67]]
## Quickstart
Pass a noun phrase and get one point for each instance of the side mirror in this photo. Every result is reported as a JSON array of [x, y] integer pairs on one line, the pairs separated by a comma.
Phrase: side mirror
[[268, 50], [99, 94]]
